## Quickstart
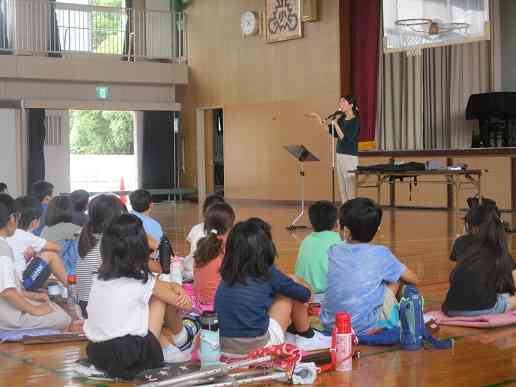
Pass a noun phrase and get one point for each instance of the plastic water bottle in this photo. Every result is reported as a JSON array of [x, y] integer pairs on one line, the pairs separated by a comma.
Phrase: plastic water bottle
[[209, 353], [412, 325], [71, 296], [342, 342], [176, 270]]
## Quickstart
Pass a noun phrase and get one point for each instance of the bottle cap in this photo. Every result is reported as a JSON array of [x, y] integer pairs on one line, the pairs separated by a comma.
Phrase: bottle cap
[[71, 279], [343, 322]]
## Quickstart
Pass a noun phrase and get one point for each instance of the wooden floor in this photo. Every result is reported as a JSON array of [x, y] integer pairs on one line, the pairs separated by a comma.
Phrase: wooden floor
[[420, 238]]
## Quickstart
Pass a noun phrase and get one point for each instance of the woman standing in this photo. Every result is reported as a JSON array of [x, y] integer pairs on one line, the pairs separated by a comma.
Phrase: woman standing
[[346, 128]]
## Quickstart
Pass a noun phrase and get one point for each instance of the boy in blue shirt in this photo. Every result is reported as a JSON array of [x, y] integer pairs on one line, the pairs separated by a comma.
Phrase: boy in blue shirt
[[363, 278], [141, 201], [312, 260]]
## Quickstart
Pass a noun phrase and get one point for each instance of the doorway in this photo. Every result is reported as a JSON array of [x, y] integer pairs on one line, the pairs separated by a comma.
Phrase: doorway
[[210, 151]]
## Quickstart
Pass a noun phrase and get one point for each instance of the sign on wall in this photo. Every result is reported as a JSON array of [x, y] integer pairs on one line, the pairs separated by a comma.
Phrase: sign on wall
[[282, 20]]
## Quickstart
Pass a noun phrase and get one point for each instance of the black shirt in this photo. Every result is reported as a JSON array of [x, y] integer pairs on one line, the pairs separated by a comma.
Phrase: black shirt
[[351, 129], [460, 246]]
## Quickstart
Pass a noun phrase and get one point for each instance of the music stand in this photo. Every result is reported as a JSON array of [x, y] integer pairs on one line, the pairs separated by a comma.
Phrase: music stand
[[301, 154]]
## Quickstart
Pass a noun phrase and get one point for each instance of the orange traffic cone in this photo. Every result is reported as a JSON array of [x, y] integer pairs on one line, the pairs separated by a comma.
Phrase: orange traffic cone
[[123, 196]]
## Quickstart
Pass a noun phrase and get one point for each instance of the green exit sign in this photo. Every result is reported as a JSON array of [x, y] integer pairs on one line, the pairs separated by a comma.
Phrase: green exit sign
[[102, 92]]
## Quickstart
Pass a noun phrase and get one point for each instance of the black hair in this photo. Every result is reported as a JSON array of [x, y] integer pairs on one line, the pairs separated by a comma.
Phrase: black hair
[[125, 250], [218, 221], [362, 217], [7, 209], [489, 251], [41, 189], [210, 201], [352, 101], [3, 187], [140, 200], [29, 209], [323, 216], [60, 210], [80, 200], [102, 210], [250, 252], [475, 214]]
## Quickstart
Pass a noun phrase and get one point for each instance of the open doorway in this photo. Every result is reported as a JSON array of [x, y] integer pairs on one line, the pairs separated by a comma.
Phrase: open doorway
[[103, 151], [210, 151]]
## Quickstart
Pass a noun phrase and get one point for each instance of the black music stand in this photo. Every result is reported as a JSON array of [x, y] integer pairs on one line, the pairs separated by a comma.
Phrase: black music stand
[[301, 154]]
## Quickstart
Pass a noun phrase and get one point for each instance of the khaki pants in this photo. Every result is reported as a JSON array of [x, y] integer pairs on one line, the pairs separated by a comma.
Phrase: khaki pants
[[347, 181]]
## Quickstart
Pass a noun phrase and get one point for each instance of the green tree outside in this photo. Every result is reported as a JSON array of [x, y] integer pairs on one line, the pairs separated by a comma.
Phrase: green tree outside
[[108, 28], [101, 132]]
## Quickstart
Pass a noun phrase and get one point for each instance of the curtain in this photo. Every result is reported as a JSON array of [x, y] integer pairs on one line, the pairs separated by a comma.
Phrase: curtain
[[36, 143], [436, 87], [365, 25], [159, 153], [128, 29], [4, 32], [54, 43]]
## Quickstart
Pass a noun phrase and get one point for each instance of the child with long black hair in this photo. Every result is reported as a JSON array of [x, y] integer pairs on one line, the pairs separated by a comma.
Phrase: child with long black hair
[[209, 254], [483, 282], [255, 302], [127, 304]]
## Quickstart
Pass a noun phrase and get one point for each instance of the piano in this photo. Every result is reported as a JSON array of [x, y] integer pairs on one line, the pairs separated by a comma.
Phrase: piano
[[496, 113]]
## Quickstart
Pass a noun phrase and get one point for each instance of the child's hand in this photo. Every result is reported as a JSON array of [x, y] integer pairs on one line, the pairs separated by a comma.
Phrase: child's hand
[[183, 300], [154, 266], [41, 297], [42, 309], [29, 253]]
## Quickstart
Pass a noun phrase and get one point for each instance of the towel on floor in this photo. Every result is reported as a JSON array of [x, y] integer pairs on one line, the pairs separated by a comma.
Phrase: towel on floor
[[17, 335], [483, 321]]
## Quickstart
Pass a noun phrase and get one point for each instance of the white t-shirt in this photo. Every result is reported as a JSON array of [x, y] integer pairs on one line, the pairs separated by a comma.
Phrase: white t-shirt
[[9, 315], [20, 242], [193, 237], [118, 307]]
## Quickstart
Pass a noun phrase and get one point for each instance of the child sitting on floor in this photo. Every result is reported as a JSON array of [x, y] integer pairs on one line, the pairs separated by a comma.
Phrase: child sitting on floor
[[141, 201], [363, 278], [255, 302], [102, 210], [43, 191], [210, 250], [483, 282], [28, 247], [20, 309], [312, 260], [126, 309], [196, 233]]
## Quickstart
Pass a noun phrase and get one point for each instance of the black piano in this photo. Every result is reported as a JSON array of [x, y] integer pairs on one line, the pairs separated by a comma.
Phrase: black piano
[[496, 114]]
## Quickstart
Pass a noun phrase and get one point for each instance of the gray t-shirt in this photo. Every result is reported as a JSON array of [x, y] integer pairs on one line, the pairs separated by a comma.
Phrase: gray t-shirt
[[61, 231]]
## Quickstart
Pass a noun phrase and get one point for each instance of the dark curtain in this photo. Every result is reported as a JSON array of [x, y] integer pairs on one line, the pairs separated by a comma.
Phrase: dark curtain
[[4, 33], [128, 29], [36, 139], [159, 150], [364, 30], [54, 43]]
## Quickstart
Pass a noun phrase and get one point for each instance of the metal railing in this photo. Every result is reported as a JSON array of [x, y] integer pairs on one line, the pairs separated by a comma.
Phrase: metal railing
[[41, 27]]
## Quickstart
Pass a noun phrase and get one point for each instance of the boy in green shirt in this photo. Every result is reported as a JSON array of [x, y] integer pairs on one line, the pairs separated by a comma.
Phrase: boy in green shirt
[[312, 261]]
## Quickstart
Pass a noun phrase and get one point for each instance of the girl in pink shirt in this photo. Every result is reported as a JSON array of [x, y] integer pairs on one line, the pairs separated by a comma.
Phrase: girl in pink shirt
[[218, 222]]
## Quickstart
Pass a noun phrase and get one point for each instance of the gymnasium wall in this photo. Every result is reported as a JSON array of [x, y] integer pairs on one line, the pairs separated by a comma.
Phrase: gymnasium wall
[[265, 90], [508, 15]]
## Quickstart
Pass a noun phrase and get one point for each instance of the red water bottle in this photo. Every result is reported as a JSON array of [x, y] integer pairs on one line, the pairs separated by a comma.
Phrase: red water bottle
[[342, 342]]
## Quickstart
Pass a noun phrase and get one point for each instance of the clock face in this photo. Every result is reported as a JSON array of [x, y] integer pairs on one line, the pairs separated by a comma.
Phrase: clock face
[[249, 23]]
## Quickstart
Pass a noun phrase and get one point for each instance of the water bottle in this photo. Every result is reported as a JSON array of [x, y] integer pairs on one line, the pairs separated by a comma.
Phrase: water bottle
[[176, 270], [342, 342], [412, 324], [165, 252], [71, 296], [209, 353]]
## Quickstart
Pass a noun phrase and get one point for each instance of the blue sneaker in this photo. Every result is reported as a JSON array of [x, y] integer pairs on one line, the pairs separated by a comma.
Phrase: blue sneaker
[[192, 327]]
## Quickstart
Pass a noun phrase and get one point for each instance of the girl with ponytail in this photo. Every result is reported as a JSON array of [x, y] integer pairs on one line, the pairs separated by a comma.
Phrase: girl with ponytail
[[219, 220], [483, 280]]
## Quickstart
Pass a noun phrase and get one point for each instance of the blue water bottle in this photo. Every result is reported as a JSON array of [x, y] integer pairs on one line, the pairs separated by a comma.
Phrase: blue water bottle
[[209, 353], [411, 319]]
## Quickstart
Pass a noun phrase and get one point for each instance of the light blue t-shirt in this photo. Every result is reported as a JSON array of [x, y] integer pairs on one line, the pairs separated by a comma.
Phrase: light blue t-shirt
[[357, 277], [151, 226]]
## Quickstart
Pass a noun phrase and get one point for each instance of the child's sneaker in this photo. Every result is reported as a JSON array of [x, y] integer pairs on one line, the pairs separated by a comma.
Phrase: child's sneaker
[[172, 354], [317, 342], [192, 327]]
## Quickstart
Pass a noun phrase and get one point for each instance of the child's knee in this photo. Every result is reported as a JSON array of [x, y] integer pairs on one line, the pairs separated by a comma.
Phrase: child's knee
[[49, 256]]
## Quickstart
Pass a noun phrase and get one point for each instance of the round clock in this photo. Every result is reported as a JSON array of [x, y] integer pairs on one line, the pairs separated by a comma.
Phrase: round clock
[[249, 23]]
